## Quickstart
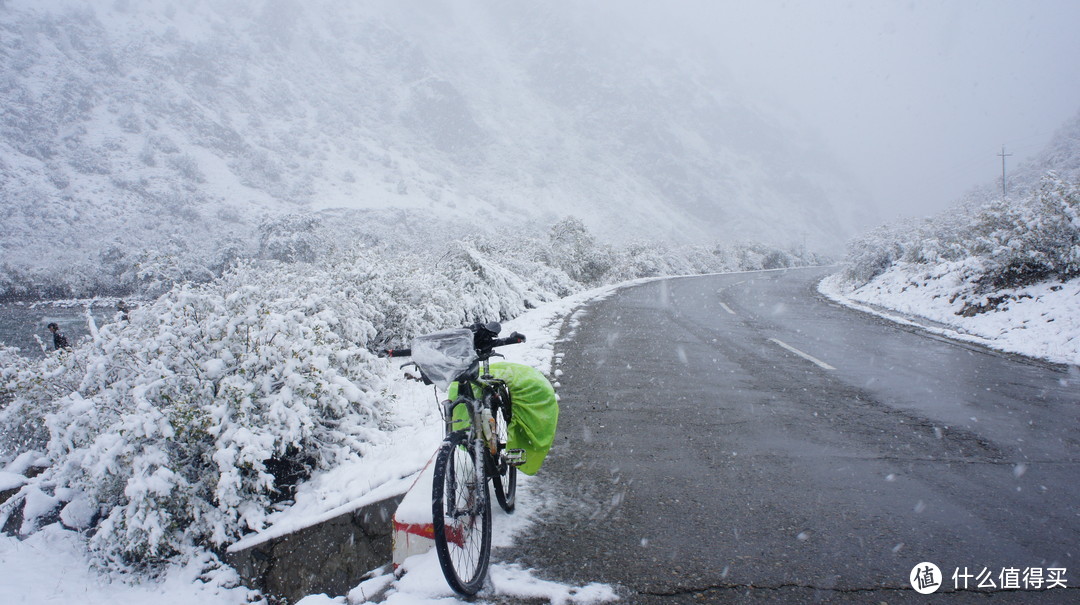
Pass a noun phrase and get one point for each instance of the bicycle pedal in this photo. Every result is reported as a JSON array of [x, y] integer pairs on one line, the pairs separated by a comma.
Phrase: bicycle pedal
[[514, 457]]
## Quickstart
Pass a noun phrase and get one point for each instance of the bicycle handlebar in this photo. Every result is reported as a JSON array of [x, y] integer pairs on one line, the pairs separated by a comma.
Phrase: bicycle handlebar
[[513, 339]]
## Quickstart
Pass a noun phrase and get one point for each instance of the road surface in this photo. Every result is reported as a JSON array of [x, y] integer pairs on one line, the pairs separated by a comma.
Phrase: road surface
[[737, 438]]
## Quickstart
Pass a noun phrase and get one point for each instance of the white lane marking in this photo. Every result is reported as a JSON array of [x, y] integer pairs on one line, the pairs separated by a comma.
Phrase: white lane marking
[[805, 356], [727, 308]]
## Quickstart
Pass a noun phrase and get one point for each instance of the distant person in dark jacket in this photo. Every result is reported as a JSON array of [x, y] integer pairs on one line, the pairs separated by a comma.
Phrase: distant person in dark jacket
[[59, 340]]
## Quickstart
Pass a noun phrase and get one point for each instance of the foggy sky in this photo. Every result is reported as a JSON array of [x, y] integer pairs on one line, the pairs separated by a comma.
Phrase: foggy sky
[[914, 97]]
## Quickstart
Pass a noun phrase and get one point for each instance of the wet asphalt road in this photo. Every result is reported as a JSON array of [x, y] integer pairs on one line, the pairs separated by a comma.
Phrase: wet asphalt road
[[700, 460]]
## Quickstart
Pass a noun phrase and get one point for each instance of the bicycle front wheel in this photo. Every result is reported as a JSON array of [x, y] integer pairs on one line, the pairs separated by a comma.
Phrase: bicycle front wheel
[[504, 475], [461, 513]]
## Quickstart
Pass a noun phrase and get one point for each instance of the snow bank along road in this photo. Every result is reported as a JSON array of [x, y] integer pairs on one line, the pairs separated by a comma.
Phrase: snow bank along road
[[737, 436]]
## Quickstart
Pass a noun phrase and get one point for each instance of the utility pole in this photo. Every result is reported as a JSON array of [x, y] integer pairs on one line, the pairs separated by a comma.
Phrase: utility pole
[[1003, 155]]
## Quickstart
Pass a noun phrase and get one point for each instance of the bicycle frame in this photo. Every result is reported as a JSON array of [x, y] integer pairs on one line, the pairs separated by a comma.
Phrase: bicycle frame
[[475, 406], [470, 456]]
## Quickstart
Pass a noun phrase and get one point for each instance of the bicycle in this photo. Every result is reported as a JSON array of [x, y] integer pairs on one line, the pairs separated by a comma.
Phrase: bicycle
[[474, 448]]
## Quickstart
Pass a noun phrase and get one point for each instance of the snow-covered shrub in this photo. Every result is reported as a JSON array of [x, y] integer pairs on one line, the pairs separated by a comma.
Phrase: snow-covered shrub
[[645, 259], [169, 423], [186, 166], [1006, 242], [169, 430], [778, 259], [228, 253], [986, 249], [29, 391], [871, 255], [527, 256], [291, 238], [575, 251], [706, 259], [129, 122], [1033, 239], [257, 169], [157, 270], [472, 280], [488, 291]]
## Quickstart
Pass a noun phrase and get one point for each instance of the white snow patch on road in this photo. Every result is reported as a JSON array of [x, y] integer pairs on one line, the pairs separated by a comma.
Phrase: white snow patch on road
[[1041, 321]]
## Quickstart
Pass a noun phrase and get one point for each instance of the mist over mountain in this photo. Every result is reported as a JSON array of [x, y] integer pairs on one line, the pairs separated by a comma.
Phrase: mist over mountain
[[989, 242], [133, 127], [1060, 156]]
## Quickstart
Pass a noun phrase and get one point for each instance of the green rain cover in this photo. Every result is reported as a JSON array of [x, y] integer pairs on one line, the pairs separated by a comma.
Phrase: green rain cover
[[534, 411]]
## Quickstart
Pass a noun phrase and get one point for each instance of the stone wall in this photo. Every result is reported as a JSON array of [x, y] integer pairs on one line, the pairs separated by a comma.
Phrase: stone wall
[[330, 558]]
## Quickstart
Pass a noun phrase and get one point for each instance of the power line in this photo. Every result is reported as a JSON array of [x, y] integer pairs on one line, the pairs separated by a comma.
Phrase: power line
[[1003, 155]]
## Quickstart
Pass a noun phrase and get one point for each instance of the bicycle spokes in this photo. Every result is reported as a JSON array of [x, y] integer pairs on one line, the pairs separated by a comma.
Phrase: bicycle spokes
[[462, 513]]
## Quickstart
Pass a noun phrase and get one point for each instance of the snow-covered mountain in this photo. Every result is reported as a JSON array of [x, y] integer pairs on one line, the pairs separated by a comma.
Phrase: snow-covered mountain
[[127, 127]]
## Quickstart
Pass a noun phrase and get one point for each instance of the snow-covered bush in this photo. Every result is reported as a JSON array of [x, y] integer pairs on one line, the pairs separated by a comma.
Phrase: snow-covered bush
[[291, 238], [481, 279], [165, 429], [155, 271], [171, 429], [576, 252], [1032, 240], [169, 422], [645, 259], [186, 166], [528, 256], [30, 390], [872, 254], [1005, 243]]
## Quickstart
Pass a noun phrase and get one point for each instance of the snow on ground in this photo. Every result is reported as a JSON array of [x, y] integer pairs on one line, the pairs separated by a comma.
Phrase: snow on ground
[[51, 565], [1041, 321], [422, 581]]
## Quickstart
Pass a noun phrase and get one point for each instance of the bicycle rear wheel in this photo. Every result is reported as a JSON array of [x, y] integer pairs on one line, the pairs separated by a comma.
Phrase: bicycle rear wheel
[[504, 475], [461, 513]]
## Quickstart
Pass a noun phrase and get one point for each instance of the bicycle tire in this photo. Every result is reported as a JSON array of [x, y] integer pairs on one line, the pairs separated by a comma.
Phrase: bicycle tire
[[461, 513], [504, 475]]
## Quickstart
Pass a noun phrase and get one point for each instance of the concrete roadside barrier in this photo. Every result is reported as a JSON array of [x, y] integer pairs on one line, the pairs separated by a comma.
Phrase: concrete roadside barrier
[[333, 554], [413, 532], [329, 557]]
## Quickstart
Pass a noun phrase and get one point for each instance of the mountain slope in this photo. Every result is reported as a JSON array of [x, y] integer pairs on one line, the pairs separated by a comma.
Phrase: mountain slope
[[136, 128]]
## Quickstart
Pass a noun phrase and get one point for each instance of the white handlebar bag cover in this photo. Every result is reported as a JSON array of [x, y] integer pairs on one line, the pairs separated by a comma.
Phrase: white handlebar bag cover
[[443, 356]]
